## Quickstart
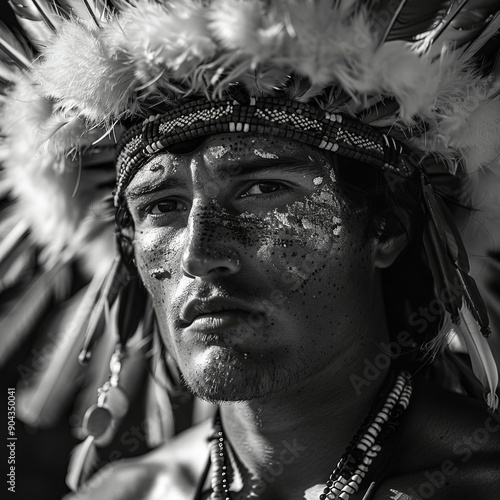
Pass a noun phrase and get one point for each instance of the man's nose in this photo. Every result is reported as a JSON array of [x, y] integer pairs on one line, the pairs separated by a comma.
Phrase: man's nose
[[209, 250]]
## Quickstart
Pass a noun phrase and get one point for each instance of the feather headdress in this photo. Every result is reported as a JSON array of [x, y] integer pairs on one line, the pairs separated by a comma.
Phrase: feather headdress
[[418, 76], [150, 55]]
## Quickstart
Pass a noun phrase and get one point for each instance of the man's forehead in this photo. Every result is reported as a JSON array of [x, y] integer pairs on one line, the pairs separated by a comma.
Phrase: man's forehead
[[229, 153], [243, 146]]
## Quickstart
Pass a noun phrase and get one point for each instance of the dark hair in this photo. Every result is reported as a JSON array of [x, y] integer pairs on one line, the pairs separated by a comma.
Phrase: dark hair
[[395, 206]]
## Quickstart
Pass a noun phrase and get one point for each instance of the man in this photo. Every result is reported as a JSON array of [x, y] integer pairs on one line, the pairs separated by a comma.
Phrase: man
[[269, 211], [248, 324]]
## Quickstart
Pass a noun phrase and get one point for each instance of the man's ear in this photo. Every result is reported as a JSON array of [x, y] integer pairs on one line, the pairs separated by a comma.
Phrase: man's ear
[[388, 249]]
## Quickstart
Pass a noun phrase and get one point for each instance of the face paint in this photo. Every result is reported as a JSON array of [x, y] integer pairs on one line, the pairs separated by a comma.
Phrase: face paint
[[160, 273], [219, 151], [311, 225], [278, 270], [264, 154]]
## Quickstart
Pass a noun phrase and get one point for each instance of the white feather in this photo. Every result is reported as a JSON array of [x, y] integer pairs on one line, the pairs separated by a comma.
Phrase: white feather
[[243, 28], [83, 72], [43, 185], [483, 362], [159, 37]]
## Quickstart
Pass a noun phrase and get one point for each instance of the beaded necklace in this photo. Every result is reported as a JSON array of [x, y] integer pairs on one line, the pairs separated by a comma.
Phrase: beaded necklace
[[351, 469]]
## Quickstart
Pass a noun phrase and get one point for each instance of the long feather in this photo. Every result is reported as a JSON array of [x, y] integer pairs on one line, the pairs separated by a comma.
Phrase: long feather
[[458, 255], [115, 280], [475, 303], [9, 243], [14, 54], [86, 10], [478, 43], [441, 252], [5, 189], [18, 266], [408, 19], [37, 18], [83, 459], [463, 24], [483, 362], [92, 14], [495, 70], [393, 20], [26, 311], [447, 256], [45, 10], [81, 319], [43, 398], [447, 21], [14, 47]]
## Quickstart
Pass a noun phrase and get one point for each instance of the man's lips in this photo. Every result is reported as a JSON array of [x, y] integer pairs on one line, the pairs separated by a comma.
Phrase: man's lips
[[216, 312], [221, 323]]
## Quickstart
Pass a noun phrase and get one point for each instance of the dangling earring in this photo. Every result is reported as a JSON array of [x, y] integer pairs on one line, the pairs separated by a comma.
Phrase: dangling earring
[[101, 419], [99, 422], [112, 403]]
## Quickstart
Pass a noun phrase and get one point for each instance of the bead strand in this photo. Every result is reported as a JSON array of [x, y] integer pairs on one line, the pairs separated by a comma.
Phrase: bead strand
[[220, 487], [351, 469], [370, 443]]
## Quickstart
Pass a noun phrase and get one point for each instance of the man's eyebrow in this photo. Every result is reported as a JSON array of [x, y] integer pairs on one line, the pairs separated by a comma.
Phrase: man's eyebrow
[[248, 166], [151, 187], [255, 165]]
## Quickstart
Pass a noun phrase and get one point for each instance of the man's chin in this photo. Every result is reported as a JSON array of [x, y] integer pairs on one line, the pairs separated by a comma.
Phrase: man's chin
[[221, 382], [216, 389], [221, 396]]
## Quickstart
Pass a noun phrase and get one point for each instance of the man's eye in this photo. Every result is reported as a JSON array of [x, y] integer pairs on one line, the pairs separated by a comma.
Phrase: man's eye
[[263, 188], [166, 206]]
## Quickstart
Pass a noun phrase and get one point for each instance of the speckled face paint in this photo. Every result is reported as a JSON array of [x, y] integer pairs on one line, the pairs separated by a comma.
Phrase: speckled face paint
[[265, 154], [311, 225], [272, 257], [219, 151]]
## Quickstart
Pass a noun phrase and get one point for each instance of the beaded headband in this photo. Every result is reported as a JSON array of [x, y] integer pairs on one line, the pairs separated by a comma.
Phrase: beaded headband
[[280, 117]]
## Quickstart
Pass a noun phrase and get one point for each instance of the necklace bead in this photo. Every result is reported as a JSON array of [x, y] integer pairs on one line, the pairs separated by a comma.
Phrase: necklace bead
[[351, 469]]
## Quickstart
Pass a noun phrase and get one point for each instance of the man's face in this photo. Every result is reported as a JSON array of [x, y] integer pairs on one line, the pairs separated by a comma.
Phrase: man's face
[[257, 264]]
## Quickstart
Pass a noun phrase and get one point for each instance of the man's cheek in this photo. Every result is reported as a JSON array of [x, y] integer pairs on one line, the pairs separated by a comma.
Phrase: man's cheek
[[154, 255], [151, 270]]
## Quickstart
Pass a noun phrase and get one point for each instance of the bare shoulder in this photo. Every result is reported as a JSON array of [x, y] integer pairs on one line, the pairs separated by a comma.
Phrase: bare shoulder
[[174, 468], [450, 449]]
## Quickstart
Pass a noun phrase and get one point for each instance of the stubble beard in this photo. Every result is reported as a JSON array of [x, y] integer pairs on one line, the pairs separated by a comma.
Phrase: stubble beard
[[231, 379]]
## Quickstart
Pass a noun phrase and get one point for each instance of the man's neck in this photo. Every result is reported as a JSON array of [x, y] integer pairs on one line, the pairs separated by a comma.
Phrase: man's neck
[[291, 443]]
